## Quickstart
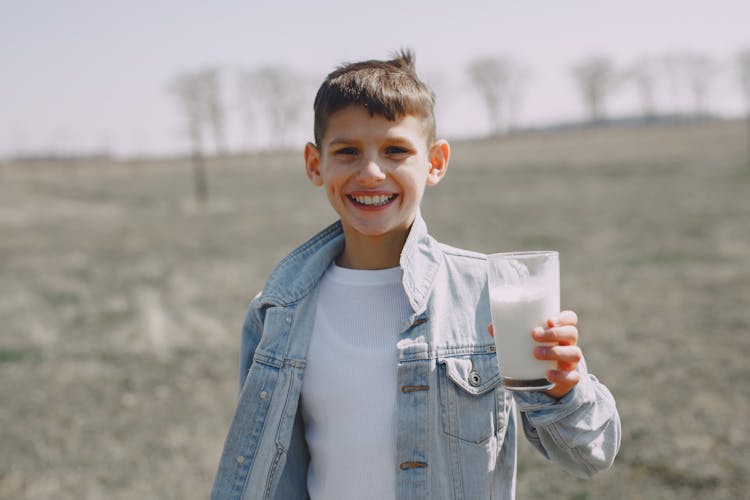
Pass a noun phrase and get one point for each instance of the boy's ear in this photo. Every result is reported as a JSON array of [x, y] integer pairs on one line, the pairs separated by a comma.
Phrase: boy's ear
[[440, 153], [312, 164]]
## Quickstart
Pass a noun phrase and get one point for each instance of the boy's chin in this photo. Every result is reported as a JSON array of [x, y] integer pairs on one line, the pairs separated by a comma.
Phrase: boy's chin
[[380, 231]]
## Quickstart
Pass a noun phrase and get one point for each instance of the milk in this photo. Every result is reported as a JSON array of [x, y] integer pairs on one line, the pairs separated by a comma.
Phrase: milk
[[516, 310]]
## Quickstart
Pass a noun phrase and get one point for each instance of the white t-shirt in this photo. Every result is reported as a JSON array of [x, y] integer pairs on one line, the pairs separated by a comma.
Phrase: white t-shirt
[[349, 386]]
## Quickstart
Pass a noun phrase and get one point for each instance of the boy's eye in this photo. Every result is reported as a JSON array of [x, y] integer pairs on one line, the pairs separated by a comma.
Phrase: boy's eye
[[347, 151], [396, 150]]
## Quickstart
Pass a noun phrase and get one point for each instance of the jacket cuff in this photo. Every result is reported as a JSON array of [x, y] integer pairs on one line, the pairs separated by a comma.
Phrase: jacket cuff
[[542, 408]]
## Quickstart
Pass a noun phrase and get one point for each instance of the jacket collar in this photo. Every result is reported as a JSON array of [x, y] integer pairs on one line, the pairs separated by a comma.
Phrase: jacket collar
[[299, 272], [420, 260]]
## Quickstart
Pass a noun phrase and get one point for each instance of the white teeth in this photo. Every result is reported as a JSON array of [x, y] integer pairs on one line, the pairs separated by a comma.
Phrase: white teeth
[[373, 200]]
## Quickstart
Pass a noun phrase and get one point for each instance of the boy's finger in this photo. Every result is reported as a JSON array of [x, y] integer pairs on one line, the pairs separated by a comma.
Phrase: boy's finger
[[565, 335], [561, 365], [491, 329], [564, 318], [569, 355], [563, 379]]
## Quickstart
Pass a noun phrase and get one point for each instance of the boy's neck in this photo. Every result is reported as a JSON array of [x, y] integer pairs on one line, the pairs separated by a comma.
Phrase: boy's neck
[[371, 252]]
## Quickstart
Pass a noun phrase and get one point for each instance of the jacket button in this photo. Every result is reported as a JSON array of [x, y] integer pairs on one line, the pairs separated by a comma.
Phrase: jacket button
[[263, 395], [240, 459], [474, 379]]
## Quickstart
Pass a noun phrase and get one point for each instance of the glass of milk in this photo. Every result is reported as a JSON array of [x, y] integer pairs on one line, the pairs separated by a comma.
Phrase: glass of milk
[[524, 292]]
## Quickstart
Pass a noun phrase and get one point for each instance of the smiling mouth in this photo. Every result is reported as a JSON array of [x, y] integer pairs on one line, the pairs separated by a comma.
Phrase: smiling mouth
[[377, 200]]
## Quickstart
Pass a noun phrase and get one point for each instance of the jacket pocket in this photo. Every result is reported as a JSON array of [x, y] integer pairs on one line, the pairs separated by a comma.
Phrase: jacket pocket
[[472, 401]]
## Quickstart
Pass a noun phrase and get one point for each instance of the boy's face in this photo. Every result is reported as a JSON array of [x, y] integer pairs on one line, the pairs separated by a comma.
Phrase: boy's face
[[375, 170]]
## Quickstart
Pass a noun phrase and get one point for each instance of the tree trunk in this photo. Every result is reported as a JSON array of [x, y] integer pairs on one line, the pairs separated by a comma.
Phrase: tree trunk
[[199, 177]]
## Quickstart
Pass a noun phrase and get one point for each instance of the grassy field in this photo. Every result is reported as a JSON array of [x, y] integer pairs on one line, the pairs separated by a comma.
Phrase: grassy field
[[121, 302]]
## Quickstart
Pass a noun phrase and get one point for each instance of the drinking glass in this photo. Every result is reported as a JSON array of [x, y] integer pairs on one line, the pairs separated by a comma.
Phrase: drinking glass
[[524, 289]]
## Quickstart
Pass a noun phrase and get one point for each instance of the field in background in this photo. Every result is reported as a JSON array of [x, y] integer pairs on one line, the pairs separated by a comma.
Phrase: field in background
[[121, 302]]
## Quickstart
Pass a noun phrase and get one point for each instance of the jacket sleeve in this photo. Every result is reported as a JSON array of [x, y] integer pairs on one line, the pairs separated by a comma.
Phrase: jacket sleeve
[[252, 330], [581, 432]]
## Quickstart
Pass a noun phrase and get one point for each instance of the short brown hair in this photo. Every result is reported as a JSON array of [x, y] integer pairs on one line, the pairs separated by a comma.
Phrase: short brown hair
[[387, 88]]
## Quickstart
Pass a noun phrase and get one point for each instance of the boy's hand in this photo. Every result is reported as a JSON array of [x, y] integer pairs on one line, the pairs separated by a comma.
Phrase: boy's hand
[[560, 330]]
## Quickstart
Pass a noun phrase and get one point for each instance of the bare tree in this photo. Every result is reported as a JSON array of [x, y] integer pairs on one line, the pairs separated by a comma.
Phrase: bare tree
[[248, 103], [672, 69], [499, 80], [688, 77], [215, 116], [596, 79], [743, 63], [699, 71], [276, 91], [199, 97], [644, 75]]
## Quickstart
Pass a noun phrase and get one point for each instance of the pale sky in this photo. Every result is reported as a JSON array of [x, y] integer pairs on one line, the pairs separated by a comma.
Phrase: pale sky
[[79, 76]]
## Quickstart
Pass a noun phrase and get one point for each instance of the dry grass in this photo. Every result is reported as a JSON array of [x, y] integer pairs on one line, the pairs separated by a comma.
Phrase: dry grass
[[121, 302]]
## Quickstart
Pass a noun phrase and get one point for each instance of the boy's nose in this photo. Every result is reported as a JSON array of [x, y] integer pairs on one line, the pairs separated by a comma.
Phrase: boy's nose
[[371, 172]]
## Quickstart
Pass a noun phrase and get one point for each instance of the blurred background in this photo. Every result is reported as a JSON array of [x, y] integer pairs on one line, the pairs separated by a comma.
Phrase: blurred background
[[151, 175]]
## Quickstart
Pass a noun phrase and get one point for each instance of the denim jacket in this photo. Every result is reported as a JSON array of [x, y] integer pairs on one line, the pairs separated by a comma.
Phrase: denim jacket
[[456, 424]]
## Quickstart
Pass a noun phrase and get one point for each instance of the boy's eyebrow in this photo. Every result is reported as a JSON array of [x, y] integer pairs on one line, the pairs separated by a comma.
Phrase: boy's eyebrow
[[346, 140], [339, 140]]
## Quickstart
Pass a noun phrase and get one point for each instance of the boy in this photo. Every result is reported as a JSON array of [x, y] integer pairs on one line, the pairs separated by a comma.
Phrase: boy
[[366, 367]]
